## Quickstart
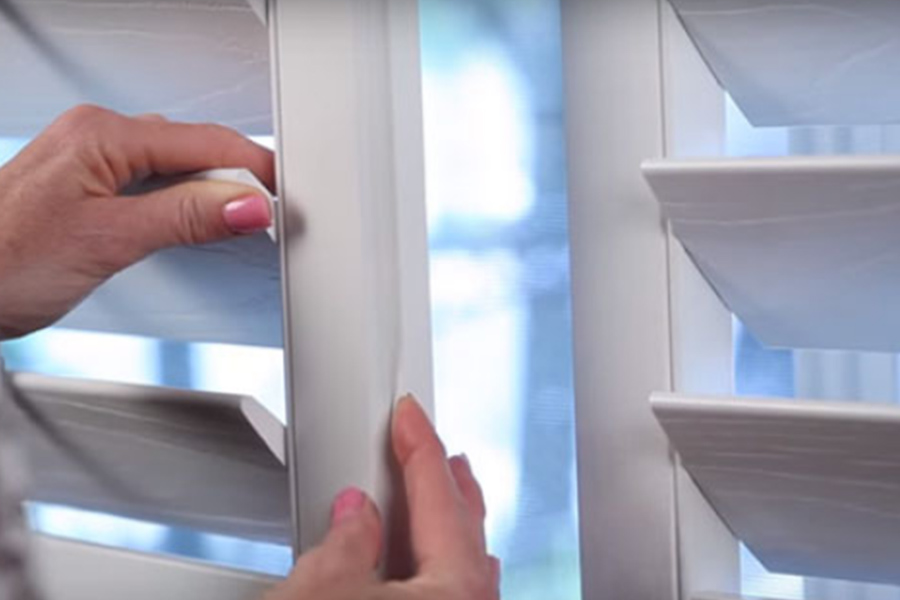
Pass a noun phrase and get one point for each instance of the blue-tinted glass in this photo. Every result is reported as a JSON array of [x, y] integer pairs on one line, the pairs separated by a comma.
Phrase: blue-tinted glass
[[499, 275]]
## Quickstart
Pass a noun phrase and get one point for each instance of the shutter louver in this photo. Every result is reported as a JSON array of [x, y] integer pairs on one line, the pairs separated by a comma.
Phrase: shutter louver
[[810, 487]]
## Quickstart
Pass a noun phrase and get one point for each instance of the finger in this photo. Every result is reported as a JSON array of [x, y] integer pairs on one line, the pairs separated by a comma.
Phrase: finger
[[436, 510], [353, 544], [194, 212], [471, 493], [347, 556], [130, 148], [468, 485], [496, 572], [164, 147], [151, 117]]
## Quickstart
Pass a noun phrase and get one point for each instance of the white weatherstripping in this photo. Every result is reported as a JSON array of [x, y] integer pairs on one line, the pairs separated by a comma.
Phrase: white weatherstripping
[[803, 249], [190, 60], [211, 462], [621, 323], [351, 190], [810, 487], [70, 570]]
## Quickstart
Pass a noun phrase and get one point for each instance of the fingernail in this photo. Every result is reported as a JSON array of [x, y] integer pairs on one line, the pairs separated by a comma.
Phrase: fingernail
[[247, 215], [348, 503]]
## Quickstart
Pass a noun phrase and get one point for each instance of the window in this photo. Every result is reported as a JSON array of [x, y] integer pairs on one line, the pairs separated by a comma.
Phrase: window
[[498, 233]]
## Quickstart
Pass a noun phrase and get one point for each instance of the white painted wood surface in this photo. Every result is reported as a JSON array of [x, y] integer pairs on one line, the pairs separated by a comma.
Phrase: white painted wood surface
[[708, 554], [211, 462], [621, 320], [353, 232], [70, 570], [802, 62], [803, 249], [811, 487], [194, 60]]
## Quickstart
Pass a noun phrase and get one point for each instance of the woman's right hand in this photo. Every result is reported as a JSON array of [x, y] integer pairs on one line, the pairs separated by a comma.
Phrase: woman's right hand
[[446, 511]]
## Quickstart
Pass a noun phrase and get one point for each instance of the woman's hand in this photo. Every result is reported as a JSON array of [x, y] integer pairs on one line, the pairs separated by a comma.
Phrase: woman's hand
[[65, 228], [446, 511]]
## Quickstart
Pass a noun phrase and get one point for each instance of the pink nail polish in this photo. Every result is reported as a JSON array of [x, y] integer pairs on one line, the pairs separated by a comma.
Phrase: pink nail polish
[[247, 215], [348, 503]]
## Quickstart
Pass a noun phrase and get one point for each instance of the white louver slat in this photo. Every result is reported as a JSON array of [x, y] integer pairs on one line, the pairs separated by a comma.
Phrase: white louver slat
[[803, 250], [802, 62], [810, 487], [196, 60], [71, 570], [211, 462]]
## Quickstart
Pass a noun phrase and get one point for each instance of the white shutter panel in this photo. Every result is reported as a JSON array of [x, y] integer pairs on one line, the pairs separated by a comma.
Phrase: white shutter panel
[[355, 246], [810, 487]]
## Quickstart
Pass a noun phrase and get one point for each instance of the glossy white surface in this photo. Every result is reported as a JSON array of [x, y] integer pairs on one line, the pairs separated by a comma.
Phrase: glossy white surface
[[802, 62], [353, 232], [620, 309], [810, 487], [194, 60], [803, 250], [211, 462]]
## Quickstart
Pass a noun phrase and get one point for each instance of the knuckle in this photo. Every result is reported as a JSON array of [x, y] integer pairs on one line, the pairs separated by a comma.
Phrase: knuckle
[[84, 117], [191, 226]]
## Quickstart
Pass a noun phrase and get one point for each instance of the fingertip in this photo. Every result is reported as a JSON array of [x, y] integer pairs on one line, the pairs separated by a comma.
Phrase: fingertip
[[468, 485], [248, 214], [411, 428], [347, 504], [354, 539]]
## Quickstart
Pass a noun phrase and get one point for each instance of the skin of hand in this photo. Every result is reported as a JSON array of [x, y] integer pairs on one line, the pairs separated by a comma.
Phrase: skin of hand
[[446, 512], [66, 227]]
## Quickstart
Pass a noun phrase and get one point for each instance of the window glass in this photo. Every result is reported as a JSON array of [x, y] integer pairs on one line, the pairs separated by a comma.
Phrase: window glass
[[810, 374], [494, 140]]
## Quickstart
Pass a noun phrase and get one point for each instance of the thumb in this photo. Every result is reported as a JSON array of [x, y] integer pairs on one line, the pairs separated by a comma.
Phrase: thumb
[[353, 543], [345, 560], [196, 212]]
